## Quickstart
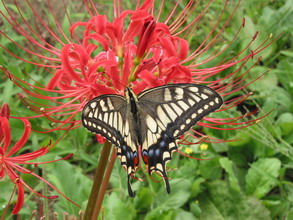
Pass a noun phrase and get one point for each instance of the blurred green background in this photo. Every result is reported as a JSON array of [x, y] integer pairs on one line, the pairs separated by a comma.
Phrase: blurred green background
[[246, 179]]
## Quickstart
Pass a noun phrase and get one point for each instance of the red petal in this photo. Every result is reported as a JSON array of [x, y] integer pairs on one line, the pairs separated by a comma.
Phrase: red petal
[[148, 81], [146, 5], [6, 132], [100, 24], [66, 63], [100, 139], [168, 47], [29, 156], [2, 173], [5, 111], [55, 79], [184, 49], [20, 198], [133, 30], [142, 16], [99, 38], [19, 144], [127, 63], [72, 28], [145, 37]]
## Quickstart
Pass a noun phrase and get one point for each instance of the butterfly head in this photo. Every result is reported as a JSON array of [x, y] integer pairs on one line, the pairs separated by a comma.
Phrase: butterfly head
[[130, 96], [131, 99]]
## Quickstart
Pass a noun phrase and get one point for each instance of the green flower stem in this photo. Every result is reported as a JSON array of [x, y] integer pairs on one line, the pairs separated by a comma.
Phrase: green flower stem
[[98, 180], [7, 206], [46, 201], [104, 185]]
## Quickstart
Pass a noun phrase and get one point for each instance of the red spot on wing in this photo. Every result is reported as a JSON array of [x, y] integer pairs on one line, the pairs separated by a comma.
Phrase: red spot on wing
[[135, 161], [146, 159]]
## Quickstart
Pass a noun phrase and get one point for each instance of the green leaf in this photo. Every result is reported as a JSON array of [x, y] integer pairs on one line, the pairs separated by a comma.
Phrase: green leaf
[[196, 186], [115, 208], [287, 53], [70, 181], [228, 167], [266, 83], [290, 215], [280, 99], [180, 192], [242, 138], [181, 214], [285, 123], [221, 203], [145, 197], [210, 169], [6, 187], [284, 73], [262, 176], [157, 214]]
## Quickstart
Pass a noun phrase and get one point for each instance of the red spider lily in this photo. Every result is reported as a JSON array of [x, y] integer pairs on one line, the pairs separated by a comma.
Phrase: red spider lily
[[137, 49], [11, 164]]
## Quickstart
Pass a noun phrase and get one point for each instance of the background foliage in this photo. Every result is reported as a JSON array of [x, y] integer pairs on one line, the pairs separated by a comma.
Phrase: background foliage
[[246, 179]]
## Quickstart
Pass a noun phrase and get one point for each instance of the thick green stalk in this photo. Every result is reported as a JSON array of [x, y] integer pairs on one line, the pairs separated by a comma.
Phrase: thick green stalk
[[98, 180], [46, 201], [104, 186]]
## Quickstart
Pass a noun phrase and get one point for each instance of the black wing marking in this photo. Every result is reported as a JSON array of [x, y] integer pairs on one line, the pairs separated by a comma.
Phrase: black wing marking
[[166, 113], [109, 116]]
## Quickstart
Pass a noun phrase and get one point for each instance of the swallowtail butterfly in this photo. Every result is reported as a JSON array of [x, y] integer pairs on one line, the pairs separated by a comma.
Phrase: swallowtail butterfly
[[150, 123]]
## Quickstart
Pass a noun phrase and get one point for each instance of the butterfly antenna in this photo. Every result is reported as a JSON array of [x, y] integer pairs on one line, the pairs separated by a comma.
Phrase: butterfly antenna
[[103, 83], [156, 79], [203, 139]]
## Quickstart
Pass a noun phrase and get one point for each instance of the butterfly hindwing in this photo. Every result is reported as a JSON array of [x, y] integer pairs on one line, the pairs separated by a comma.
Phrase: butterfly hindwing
[[166, 113], [150, 123], [109, 116]]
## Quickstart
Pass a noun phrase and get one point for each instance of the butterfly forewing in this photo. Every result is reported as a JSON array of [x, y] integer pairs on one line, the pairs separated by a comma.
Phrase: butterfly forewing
[[104, 115], [153, 121], [167, 112], [109, 116]]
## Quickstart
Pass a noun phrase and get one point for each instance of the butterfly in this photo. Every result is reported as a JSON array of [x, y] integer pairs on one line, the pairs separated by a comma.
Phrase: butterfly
[[148, 125]]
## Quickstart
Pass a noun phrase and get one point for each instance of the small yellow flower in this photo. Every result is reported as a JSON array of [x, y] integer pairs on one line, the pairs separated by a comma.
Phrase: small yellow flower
[[188, 150], [203, 146]]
